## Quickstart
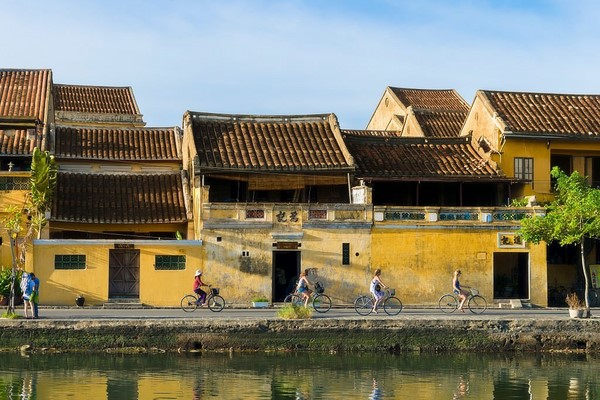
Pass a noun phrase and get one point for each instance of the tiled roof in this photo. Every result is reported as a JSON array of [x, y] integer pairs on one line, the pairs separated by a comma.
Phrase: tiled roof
[[24, 93], [416, 158], [119, 198], [152, 144], [544, 113], [95, 99], [23, 110], [20, 142], [431, 99], [440, 124], [269, 143]]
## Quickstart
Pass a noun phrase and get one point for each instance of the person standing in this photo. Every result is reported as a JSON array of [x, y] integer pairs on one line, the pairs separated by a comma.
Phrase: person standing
[[27, 286], [35, 298], [376, 289]]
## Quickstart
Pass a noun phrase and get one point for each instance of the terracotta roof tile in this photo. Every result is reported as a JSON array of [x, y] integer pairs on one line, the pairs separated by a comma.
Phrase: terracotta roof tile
[[20, 142], [23, 110], [414, 158], [24, 93], [95, 99], [440, 124], [268, 143], [152, 144], [119, 198], [431, 99], [545, 113]]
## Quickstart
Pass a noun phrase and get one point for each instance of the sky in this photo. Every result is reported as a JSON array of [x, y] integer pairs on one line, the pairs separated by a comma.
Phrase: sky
[[293, 57]]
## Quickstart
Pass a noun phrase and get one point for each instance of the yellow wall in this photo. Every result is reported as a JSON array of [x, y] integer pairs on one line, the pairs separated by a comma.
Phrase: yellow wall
[[320, 249], [7, 198], [383, 116], [157, 288], [419, 262]]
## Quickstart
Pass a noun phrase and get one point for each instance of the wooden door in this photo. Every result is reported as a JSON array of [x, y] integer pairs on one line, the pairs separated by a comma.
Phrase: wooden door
[[124, 273]]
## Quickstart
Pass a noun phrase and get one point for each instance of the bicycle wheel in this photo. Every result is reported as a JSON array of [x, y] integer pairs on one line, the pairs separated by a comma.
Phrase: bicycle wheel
[[216, 303], [448, 303], [322, 303], [363, 305], [392, 306], [188, 303], [477, 304], [294, 299]]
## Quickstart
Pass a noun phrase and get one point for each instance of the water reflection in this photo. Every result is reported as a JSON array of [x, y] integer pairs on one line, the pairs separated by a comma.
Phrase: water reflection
[[299, 376]]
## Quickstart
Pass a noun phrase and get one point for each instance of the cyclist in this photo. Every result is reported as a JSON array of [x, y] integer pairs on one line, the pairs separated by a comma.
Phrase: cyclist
[[376, 289], [302, 287], [458, 290], [198, 287]]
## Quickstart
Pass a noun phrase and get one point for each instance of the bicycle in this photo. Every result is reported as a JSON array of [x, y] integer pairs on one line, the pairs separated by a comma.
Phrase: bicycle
[[320, 302], [392, 305], [476, 303], [215, 302]]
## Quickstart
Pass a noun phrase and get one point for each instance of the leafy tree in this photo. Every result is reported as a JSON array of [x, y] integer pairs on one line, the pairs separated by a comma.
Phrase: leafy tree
[[43, 182], [571, 218]]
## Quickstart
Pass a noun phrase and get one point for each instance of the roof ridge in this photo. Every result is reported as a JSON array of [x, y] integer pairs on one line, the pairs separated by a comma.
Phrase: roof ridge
[[257, 117], [539, 93]]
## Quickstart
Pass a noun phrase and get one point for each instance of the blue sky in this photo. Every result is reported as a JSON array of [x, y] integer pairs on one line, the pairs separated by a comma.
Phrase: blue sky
[[303, 56]]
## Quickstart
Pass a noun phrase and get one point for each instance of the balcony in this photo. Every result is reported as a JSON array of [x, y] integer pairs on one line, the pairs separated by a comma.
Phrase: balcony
[[294, 216], [386, 215], [297, 216]]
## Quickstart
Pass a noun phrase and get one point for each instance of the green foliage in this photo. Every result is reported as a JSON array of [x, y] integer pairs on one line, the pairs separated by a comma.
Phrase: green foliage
[[294, 311], [260, 299], [572, 216], [5, 280], [11, 315], [43, 182], [522, 202]]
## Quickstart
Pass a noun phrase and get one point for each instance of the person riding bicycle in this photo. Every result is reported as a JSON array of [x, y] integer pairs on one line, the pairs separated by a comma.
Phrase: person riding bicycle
[[198, 287], [458, 290], [376, 289], [302, 287]]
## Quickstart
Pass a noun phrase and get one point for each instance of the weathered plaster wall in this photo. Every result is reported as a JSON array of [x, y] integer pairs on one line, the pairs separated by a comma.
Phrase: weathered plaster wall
[[157, 288], [419, 261]]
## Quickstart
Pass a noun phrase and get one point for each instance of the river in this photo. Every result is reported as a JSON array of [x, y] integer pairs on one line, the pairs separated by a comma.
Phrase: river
[[299, 376]]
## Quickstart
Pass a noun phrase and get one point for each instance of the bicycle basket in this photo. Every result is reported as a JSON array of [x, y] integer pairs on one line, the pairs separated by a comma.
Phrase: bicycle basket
[[391, 292], [214, 291], [319, 288], [474, 291]]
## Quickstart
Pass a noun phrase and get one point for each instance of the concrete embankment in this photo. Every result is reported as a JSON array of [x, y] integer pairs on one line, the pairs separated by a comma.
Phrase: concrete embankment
[[379, 335]]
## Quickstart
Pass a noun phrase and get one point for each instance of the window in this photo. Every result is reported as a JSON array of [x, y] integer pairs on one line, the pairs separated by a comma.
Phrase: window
[[524, 168], [345, 253], [70, 261], [169, 263]]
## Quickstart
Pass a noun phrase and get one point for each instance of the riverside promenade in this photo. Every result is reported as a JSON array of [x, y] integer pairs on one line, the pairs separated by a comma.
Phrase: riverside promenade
[[340, 329]]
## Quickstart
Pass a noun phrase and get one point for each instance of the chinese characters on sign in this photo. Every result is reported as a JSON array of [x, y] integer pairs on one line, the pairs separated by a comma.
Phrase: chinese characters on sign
[[282, 216], [510, 240]]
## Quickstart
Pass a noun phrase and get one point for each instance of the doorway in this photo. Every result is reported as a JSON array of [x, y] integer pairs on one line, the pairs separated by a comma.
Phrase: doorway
[[286, 269], [124, 273], [511, 275]]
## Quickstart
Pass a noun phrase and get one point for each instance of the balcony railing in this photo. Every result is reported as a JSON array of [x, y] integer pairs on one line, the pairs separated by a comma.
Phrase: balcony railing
[[359, 215]]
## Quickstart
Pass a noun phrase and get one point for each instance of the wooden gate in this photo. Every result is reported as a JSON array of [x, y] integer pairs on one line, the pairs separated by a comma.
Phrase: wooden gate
[[124, 273]]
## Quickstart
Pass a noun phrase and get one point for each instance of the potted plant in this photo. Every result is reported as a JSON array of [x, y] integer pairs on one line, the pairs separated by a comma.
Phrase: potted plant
[[80, 300], [576, 305], [260, 302]]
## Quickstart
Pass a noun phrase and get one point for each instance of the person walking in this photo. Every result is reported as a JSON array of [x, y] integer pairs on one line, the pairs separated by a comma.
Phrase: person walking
[[376, 289], [458, 289], [35, 297]]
